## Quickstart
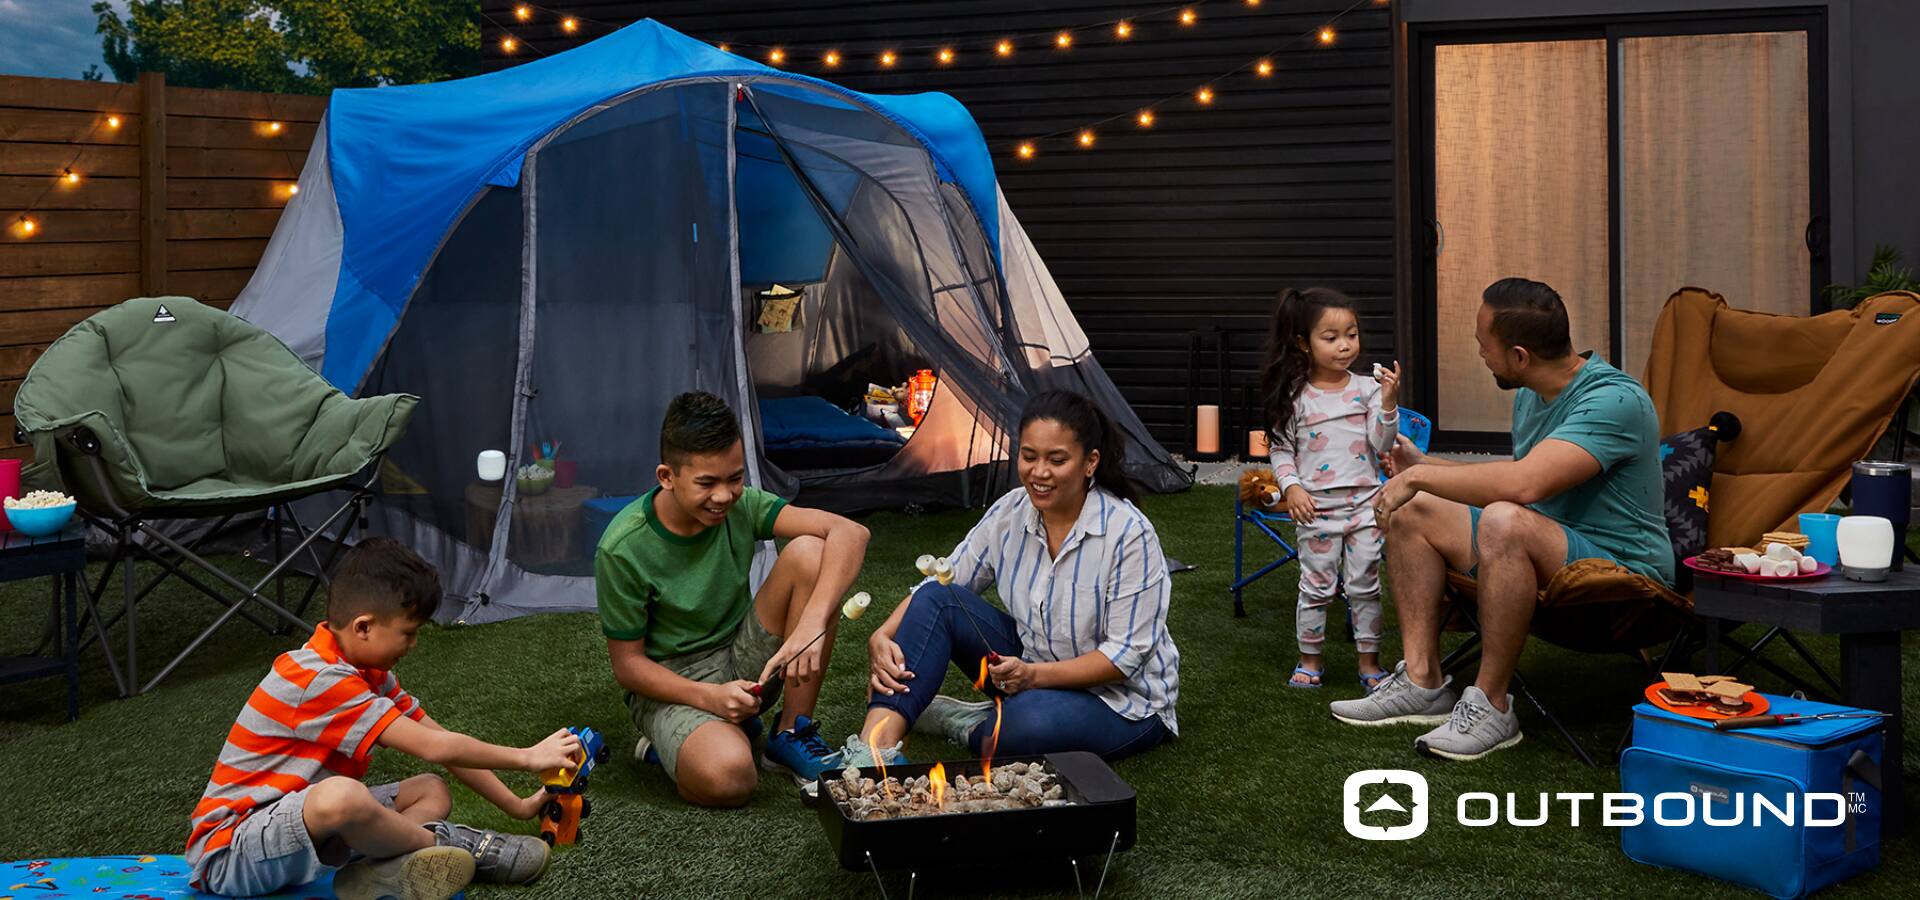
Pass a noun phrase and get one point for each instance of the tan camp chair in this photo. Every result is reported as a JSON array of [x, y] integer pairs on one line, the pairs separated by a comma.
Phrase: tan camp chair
[[1814, 394]]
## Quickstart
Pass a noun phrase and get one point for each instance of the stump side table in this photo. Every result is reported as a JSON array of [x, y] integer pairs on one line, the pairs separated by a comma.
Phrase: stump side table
[[545, 528]]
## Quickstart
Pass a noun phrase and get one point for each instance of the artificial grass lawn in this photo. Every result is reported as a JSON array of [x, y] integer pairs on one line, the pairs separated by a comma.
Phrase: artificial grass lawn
[[1246, 804]]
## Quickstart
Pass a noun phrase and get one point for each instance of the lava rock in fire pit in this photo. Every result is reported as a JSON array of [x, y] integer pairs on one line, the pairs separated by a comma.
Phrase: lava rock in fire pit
[[1013, 786]]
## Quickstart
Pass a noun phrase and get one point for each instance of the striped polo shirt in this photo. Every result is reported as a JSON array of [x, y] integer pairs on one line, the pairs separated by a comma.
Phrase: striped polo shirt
[[313, 716], [1107, 590]]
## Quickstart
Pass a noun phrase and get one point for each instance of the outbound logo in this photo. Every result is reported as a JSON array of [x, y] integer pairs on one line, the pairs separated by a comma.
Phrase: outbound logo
[[1387, 818]]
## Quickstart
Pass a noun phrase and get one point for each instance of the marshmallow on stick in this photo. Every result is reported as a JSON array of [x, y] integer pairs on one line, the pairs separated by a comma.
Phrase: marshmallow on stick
[[925, 564], [943, 570], [856, 605]]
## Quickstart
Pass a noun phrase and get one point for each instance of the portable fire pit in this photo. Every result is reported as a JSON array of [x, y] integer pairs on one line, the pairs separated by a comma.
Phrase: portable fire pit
[[1057, 807]]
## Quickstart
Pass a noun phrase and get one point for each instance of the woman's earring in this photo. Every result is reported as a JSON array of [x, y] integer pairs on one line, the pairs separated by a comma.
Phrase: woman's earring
[[1089, 481]]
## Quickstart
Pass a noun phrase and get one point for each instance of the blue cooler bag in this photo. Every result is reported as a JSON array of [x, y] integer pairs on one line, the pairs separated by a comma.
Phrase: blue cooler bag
[[1674, 754]]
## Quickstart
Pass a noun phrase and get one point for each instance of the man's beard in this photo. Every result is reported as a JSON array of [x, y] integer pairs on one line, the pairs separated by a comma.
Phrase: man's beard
[[1506, 384]]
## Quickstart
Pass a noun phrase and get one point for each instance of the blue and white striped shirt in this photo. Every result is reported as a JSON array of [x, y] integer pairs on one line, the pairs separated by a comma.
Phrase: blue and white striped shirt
[[1108, 590]]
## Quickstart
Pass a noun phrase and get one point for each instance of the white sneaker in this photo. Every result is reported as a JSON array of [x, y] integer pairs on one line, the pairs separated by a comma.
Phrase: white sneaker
[[1473, 730], [1396, 700]]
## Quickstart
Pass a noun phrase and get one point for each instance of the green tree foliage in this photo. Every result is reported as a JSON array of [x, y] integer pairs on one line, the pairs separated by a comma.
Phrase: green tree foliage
[[292, 46]]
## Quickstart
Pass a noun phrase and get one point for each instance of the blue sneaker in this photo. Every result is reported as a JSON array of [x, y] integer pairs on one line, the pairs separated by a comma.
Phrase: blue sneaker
[[800, 752]]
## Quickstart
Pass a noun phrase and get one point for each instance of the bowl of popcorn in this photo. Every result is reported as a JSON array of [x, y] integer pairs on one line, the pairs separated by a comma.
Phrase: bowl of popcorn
[[40, 513], [533, 480]]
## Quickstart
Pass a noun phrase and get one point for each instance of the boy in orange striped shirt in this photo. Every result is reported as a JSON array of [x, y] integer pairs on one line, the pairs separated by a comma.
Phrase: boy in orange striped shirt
[[285, 802]]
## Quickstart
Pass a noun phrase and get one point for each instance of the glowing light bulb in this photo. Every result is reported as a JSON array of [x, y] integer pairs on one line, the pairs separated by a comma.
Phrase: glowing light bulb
[[1145, 118], [70, 177], [1123, 30], [832, 58], [776, 56], [1326, 35], [1063, 40], [113, 121], [1004, 48], [27, 226], [725, 48], [508, 44], [569, 24], [1253, 2], [1205, 95], [1188, 17], [274, 127], [523, 12], [945, 56], [1026, 151], [1086, 137], [888, 58], [1265, 68]]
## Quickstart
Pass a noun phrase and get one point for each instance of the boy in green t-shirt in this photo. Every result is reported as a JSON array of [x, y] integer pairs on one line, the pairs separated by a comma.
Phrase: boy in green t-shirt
[[687, 635]]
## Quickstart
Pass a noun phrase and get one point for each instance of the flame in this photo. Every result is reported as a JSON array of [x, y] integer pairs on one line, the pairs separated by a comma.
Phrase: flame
[[993, 745], [980, 684], [873, 747], [937, 779]]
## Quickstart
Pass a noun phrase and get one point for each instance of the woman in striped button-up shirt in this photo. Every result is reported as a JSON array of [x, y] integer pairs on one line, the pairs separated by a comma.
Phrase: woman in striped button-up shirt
[[1085, 659]]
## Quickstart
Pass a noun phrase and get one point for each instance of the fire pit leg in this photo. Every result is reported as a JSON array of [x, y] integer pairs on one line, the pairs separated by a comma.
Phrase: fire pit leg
[[1079, 888], [1111, 849], [913, 879]]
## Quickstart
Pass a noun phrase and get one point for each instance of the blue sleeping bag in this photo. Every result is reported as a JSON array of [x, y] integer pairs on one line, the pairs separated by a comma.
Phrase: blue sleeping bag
[[796, 423]]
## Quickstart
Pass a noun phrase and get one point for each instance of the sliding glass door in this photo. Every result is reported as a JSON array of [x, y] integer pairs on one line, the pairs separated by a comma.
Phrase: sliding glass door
[[1617, 161]]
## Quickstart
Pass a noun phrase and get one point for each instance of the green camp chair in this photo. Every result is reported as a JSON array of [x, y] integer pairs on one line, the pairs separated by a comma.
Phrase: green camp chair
[[165, 409]]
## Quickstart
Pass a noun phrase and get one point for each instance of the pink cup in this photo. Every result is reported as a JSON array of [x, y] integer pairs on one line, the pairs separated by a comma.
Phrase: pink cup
[[9, 487], [563, 472]]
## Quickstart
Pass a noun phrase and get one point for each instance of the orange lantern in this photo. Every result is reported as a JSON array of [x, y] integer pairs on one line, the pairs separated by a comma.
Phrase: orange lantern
[[920, 394]]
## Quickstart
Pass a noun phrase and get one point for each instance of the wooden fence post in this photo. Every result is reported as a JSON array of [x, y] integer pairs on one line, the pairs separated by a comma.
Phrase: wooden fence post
[[153, 183]]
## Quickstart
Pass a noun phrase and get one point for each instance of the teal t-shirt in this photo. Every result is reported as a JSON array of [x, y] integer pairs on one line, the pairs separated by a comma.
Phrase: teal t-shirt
[[679, 594], [1606, 413]]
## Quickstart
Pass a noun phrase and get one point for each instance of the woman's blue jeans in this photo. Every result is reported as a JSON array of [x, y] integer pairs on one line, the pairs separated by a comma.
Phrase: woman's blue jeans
[[939, 629]]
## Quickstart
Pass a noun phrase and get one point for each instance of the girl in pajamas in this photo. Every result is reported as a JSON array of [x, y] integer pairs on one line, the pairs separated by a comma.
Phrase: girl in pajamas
[[1330, 430]]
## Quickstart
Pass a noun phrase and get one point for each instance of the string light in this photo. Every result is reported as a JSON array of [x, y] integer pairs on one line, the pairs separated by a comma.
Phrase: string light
[[274, 127], [832, 58], [1205, 95], [1253, 2], [70, 177], [1063, 40], [26, 226], [1265, 68], [725, 48], [508, 44], [569, 24], [113, 121], [1086, 137], [888, 58], [1326, 35], [523, 12], [1145, 118], [293, 189], [1188, 17], [946, 55], [1123, 30], [1026, 151], [1004, 48], [776, 56]]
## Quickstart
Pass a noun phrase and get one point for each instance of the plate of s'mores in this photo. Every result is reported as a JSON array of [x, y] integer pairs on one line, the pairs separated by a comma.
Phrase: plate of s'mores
[[1705, 696], [1779, 556]]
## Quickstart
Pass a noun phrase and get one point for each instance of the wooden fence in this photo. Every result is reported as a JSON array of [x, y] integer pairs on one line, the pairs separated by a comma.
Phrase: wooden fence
[[173, 191]]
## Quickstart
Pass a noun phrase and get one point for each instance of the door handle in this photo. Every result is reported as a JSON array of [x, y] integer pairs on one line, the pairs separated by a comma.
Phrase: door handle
[[1439, 236], [1816, 238]]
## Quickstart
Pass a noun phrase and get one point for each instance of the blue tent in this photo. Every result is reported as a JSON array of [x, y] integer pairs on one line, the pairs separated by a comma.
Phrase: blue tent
[[552, 251]]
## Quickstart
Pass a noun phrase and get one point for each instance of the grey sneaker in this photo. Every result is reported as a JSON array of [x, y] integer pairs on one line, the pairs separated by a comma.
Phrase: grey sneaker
[[497, 858], [1475, 729], [953, 719], [1397, 701], [856, 754], [433, 873]]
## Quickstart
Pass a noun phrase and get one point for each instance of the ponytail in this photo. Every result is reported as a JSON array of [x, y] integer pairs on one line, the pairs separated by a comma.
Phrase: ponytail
[[1094, 431], [1288, 361]]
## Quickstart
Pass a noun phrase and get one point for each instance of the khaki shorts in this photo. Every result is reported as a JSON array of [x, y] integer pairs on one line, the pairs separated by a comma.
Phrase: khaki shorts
[[668, 725], [272, 849]]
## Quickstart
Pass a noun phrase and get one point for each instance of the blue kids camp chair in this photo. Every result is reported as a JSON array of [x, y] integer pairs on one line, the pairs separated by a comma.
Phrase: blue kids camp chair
[[1417, 428]]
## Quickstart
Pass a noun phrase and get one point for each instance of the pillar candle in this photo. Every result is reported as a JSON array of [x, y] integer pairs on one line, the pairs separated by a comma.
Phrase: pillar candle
[[1207, 432], [1257, 444]]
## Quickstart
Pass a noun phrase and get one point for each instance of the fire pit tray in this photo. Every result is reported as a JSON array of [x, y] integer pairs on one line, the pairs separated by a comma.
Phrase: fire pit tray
[[1102, 805]]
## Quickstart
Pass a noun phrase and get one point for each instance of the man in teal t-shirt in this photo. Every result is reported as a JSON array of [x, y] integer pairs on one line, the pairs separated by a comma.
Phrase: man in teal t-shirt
[[1583, 485], [697, 650]]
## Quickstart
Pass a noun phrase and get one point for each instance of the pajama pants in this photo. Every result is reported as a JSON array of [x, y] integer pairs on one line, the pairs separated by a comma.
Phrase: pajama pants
[[1342, 540]]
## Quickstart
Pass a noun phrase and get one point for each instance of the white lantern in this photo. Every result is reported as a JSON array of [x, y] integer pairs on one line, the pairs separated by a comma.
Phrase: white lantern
[[491, 466], [1866, 547]]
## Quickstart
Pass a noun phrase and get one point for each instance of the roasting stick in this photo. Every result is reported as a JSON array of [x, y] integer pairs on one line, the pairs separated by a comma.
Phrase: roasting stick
[[1783, 719], [942, 571], [854, 608]]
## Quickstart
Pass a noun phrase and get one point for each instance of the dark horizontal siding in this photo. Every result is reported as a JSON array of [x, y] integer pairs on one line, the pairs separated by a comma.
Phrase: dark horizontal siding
[[1153, 235]]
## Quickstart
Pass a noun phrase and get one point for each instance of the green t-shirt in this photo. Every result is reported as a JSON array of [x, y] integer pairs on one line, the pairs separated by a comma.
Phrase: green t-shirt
[[679, 594], [1606, 413]]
